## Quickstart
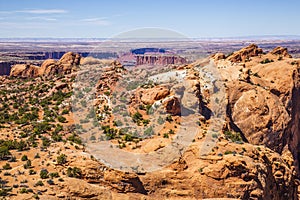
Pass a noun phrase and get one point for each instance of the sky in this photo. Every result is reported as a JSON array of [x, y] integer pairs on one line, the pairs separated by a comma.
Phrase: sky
[[105, 19]]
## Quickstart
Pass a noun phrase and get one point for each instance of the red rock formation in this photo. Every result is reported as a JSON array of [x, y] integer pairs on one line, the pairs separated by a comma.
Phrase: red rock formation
[[159, 60], [65, 65], [245, 53], [172, 106], [281, 51]]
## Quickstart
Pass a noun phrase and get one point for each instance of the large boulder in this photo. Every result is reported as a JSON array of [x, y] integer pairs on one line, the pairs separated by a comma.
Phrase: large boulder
[[24, 70], [149, 96]]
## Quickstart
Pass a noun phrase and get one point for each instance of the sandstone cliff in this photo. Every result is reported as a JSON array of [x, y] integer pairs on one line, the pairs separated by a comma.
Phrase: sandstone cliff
[[263, 94]]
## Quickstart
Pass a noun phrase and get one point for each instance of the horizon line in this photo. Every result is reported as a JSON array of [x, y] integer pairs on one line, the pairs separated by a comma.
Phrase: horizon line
[[139, 38]]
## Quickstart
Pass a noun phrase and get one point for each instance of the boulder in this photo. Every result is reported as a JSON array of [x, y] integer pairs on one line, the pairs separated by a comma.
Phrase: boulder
[[24, 70]]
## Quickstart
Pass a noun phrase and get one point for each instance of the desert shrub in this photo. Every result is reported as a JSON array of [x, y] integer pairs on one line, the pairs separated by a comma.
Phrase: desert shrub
[[128, 137], [169, 118], [56, 137], [61, 119], [256, 75], [146, 122], [27, 164], [109, 132], [6, 166], [44, 174], [65, 111], [42, 127], [3, 192], [54, 175], [267, 60], [61, 159], [50, 182], [39, 183], [137, 117], [4, 152], [45, 142], [74, 172], [75, 138], [24, 158], [233, 136], [37, 155], [32, 172], [23, 190], [160, 120]]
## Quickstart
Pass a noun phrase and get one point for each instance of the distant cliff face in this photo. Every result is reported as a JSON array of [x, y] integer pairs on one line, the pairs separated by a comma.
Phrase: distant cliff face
[[159, 60], [5, 67]]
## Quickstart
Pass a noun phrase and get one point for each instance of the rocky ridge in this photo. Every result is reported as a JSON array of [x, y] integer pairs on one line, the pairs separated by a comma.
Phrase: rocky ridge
[[65, 65]]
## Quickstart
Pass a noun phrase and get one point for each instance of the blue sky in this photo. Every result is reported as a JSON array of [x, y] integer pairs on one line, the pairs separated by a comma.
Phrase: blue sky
[[102, 19]]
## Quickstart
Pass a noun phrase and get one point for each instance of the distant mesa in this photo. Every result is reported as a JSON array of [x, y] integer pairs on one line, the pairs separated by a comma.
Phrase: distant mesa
[[151, 56], [148, 50]]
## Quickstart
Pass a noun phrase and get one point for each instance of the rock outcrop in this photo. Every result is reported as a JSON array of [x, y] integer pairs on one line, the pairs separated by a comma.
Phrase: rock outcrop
[[24, 70], [281, 51], [67, 64], [149, 96], [172, 106], [245, 53], [265, 108]]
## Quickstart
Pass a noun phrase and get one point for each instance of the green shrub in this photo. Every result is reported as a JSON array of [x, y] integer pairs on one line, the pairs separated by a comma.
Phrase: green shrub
[[74, 172], [65, 111], [74, 138], [267, 60], [137, 117], [160, 120], [44, 174], [233, 136], [37, 155], [128, 137], [61, 159], [24, 158], [45, 142], [6, 166], [54, 175], [27, 164], [3, 192], [61, 119], [23, 190], [39, 183], [4, 152]]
